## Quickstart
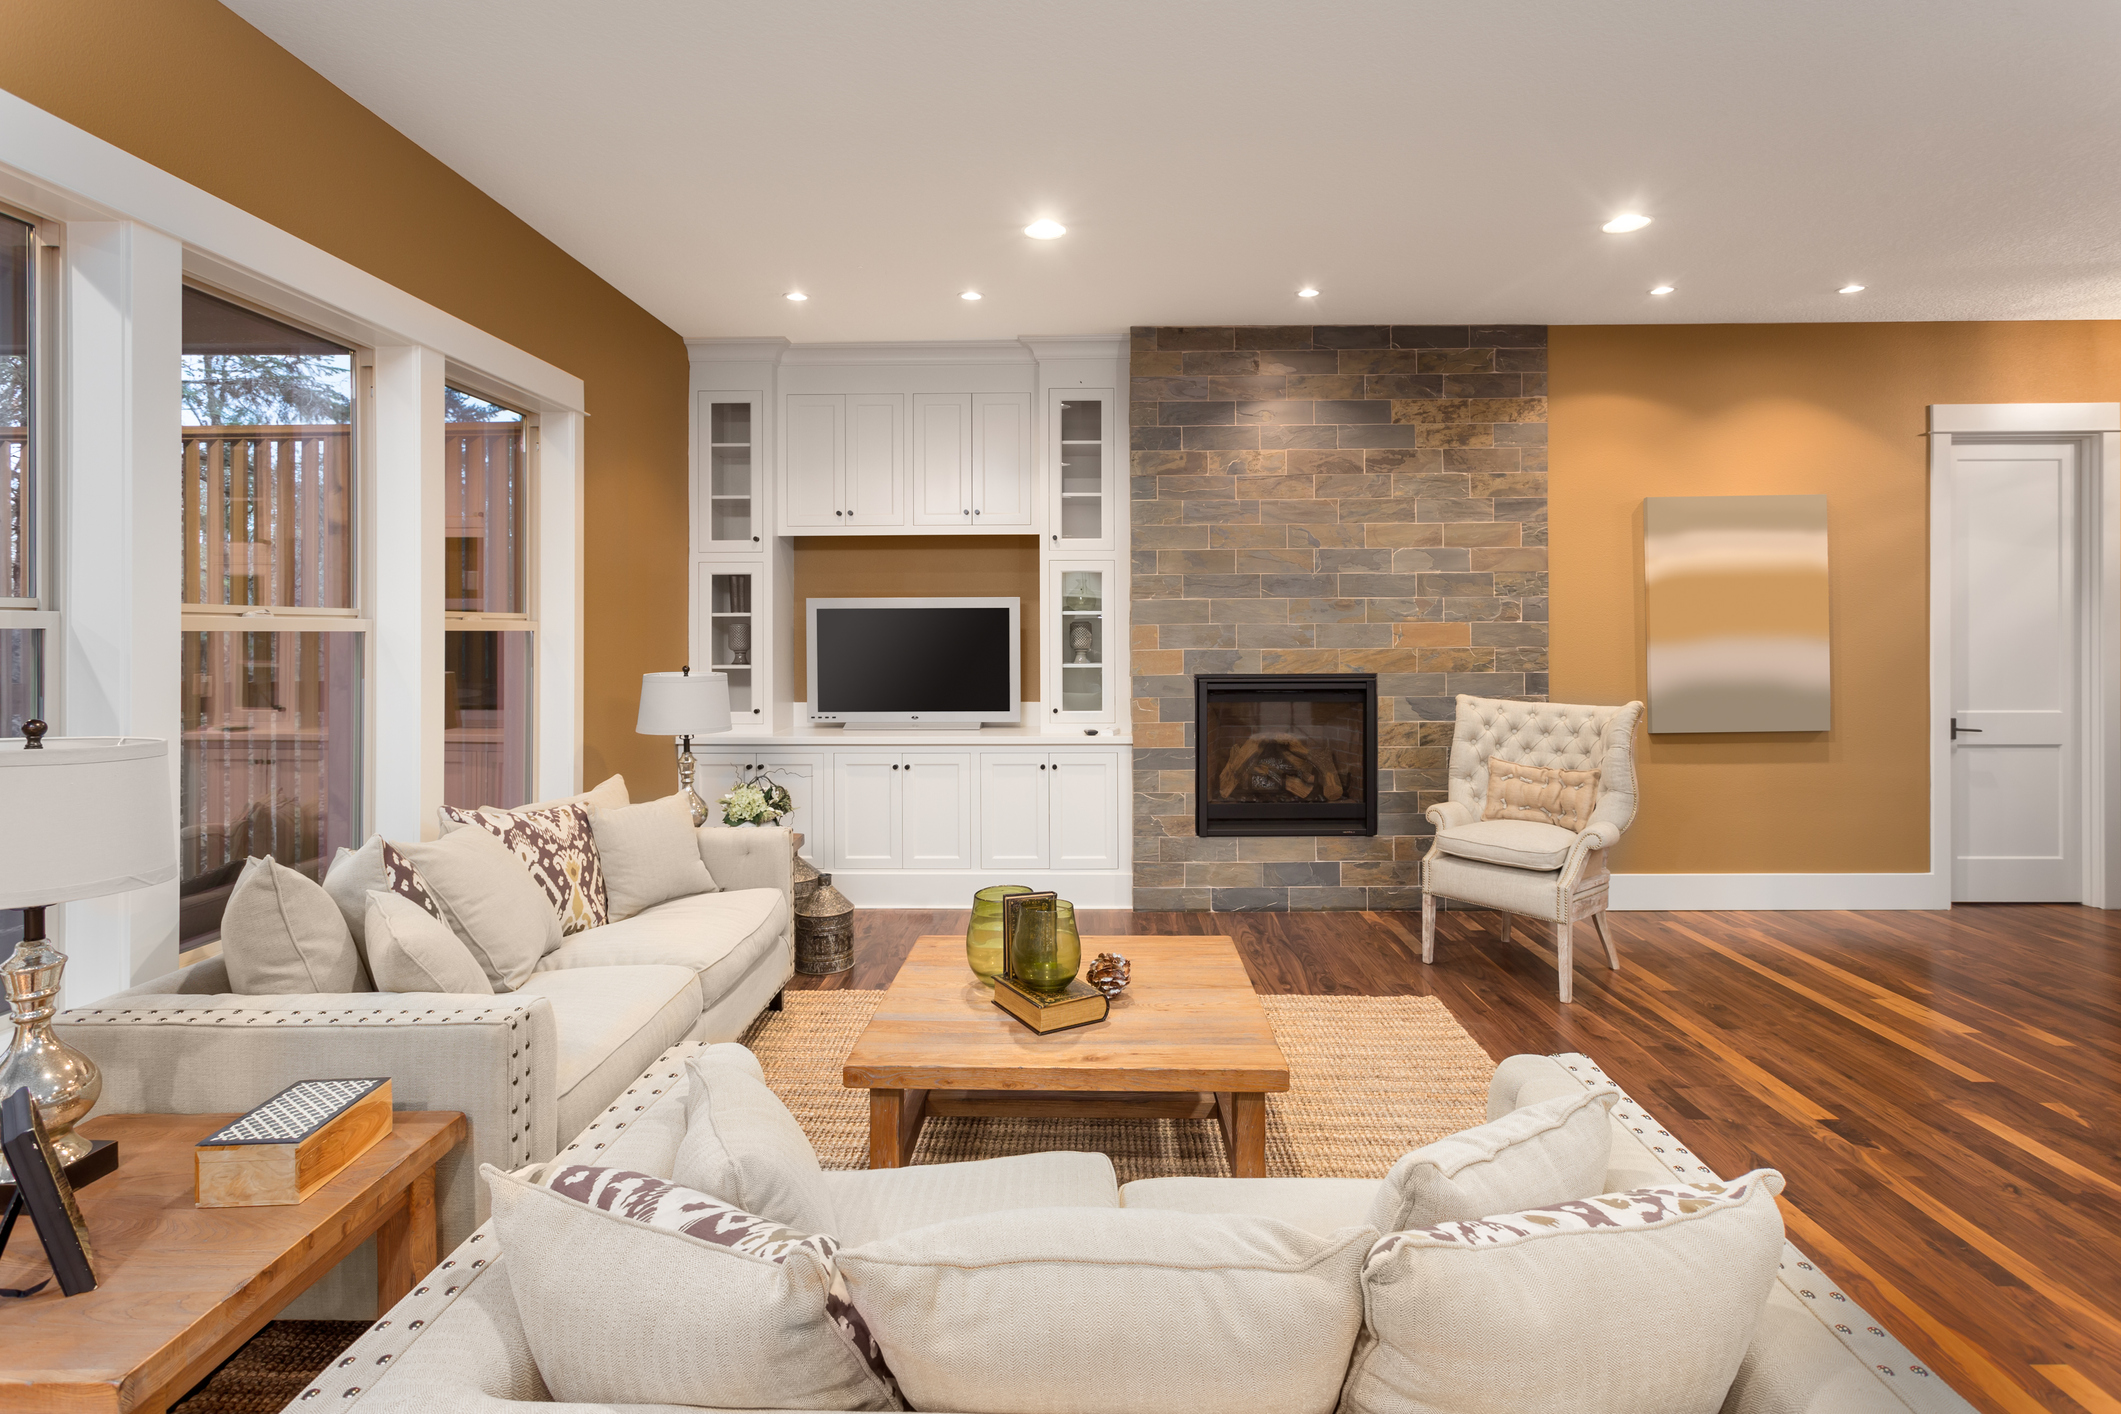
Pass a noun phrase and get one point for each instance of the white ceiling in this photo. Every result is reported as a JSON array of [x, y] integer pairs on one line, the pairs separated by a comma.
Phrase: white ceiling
[[1419, 163]]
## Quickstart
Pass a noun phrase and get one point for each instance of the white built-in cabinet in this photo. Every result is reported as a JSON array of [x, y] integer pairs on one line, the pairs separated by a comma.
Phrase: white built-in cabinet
[[729, 488], [845, 460], [902, 809], [1081, 619], [728, 636], [1082, 429], [1049, 810], [802, 773]]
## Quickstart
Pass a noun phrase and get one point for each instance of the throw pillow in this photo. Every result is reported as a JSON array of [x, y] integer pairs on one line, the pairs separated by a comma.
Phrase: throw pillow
[[1553, 1310], [403, 879], [1545, 794], [488, 898], [649, 855], [1176, 1313], [281, 933], [635, 1290], [411, 950], [1549, 1152], [556, 846], [353, 874], [743, 1146]]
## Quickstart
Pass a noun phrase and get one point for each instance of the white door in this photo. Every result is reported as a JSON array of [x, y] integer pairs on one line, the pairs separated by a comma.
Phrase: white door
[[865, 810], [1084, 786], [2015, 794], [816, 449], [1082, 457], [935, 790], [1001, 460], [1012, 809], [942, 458], [876, 450]]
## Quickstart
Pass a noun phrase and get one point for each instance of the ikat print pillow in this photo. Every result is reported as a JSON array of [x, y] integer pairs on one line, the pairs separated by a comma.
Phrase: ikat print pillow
[[633, 1290], [1545, 795], [1551, 1310], [405, 881], [559, 849]]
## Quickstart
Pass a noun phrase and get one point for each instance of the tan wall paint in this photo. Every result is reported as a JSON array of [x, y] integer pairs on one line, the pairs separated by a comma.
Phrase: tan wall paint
[[1832, 409], [917, 567], [190, 87]]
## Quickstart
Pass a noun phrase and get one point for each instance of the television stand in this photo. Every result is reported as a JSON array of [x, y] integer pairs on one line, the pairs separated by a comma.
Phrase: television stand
[[911, 727]]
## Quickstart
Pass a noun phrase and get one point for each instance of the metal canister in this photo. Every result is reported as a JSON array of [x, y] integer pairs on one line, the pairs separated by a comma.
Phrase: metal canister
[[803, 875], [824, 931]]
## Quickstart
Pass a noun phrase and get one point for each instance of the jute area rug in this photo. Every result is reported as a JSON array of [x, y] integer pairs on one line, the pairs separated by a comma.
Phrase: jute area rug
[[1369, 1079]]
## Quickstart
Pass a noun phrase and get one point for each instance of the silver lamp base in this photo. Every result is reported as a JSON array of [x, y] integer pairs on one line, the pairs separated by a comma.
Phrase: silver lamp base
[[64, 1083], [685, 765]]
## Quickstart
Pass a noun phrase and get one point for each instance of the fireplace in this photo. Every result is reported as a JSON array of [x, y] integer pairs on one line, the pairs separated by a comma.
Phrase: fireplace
[[1285, 754]]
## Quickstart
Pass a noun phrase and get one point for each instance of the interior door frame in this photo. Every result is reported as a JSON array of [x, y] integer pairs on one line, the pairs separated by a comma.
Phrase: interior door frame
[[2096, 430]]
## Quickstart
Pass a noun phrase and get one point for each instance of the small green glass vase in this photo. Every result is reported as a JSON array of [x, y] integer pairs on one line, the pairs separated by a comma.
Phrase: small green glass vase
[[983, 935], [1048, 950]]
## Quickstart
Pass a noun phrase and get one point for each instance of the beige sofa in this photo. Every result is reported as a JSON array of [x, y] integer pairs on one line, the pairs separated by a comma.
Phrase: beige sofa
[[457, 1343], [527, 1068]]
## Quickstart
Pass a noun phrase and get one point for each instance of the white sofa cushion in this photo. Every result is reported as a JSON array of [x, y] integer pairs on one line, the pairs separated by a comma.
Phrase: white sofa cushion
[[743, 1146], [720, 933], [1549, 1152], [632, 1290], [1521, 844], [1153, 1313], [1628, 1303], [611, 1022], [648, 855], [870, 1204], [558, 849], [353, 874], [1527, 891], [281, 932], [488, 899], [411, 950], [1320, 1205]]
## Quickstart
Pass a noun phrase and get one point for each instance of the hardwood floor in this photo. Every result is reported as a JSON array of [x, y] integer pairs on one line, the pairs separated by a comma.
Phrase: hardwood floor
[[1942, 1090]]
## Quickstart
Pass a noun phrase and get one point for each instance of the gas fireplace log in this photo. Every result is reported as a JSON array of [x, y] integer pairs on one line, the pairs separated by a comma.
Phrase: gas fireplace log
[[1301, 764]]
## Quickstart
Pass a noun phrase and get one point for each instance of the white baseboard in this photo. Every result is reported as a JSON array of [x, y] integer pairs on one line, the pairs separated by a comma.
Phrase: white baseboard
[[1769, 892], [896, 888]]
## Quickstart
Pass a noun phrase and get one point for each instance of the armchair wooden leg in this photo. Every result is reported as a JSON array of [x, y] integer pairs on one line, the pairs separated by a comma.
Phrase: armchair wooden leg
[[1502, 927], [1428, 926], [1564, 962], [1605, 935]]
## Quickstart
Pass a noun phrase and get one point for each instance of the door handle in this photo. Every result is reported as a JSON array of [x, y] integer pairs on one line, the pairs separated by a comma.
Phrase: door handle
[[1959, 731]]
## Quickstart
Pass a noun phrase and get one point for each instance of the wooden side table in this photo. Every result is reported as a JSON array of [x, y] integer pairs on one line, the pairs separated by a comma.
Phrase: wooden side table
[[182, 1286]]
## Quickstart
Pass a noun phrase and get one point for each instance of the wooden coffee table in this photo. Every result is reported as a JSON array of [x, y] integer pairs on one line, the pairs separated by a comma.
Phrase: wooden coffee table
[[182, 1286], [1187, 1040]]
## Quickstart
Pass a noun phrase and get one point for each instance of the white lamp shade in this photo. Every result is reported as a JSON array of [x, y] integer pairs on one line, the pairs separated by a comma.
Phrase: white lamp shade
[[84, 816], [678, 704]]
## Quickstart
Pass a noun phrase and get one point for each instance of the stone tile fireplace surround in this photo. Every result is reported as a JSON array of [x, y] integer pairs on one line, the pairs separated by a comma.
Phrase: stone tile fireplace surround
[[1319, 499]]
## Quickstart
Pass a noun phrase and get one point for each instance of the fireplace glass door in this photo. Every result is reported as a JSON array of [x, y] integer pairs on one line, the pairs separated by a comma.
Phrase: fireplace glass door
[[1287, 755]]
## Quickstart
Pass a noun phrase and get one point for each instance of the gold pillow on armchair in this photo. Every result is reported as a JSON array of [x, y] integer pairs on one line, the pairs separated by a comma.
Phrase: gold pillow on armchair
[[1546, 794]]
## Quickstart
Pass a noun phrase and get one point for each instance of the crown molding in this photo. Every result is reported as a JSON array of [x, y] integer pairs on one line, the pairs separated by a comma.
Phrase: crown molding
[[913, 351], [737, 350], [1048, 347]]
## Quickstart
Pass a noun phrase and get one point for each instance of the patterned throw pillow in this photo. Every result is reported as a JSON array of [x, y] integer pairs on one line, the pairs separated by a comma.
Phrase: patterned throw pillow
[[1545, 794], [404, 879], [557, 846]]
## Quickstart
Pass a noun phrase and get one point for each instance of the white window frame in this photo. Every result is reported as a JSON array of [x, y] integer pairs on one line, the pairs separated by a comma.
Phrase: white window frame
[[38, 609]]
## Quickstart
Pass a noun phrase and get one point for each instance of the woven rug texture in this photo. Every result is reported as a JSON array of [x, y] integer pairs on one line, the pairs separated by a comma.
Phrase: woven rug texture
[[1369, 1079]]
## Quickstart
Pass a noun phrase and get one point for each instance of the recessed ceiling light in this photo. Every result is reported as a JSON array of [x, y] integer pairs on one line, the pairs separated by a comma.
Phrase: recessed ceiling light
[[1307, 293], [1045, 230], [1850, 290], [970, 294], [1661, 290], [1622, 224], [798, 296]]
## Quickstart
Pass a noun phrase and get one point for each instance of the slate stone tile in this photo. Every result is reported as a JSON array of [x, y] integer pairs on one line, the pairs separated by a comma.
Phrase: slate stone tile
[[1380, 434], [1328, 900], [1535, 610], [1296, 434], [1274, 488], [1269, 561], [1417, 560], [1157, 586], [1298, 361], [1350, 336], [1141, 488], [1197, 635], [1535, 385], [1282, 412], [1458, 434], [1487, 684], [1210, 438], [1273, 336], [1191, 414], [1472, 533], [1535, 685], [1414, 758], [1248, 611], [1150, 439], [1324, 462], [1467, 360], [1520, 557], [1382, 661], [1147, 363], [1376, 361], [1520, 660], [1452, 586], [1328, 386], [1159, 875], [1485, 461], [1196, 336], [1156, 512], [1171, 463], [1533, 534], [1296, 586], [1403, 385], [1403, 610], [1382, 586], [1535, 458], [1249, 900], [1372, 561], [1525, 360], [1353, 847], [1400, 733], [1163, 760], [1456, 409], [1141, 413], [1159, 900], [1352, 410], [1326, 537], [1292, 874], [1294, 512], [1456, 508], [1380, 871], [1263, 636], [1222, 586], [1432, 336], [1430, 635], [1196, 561], [1434, 708], [1171, 537], [1403, 461], [1225, 364], [1357, 486], [1326, 610], [1170, 611], [1391, 899], [1211, 660], [1246, 536], [1511, 336], [1520, 508], [1354, 635], [1158, 662], [1248, 387], [1476, 608], [1167, 389], [1397, 535], [1521, 434], [1299, 660], [1196, 488], [1457, 660], [1484, 385], [1515, 584]]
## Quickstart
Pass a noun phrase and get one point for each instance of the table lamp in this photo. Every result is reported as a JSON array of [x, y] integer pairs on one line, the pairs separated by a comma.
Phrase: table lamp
[[682, 704], [84, 816]]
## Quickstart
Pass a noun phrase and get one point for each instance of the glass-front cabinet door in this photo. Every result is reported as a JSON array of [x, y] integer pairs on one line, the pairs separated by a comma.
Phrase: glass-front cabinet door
[[727, 633], [728, 500], [1078, 684], [1081, 432]]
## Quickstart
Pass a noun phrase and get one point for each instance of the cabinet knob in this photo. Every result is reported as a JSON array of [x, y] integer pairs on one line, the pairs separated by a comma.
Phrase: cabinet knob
[[894, 766], [754, 540], [1056, 711], [1056, 540]]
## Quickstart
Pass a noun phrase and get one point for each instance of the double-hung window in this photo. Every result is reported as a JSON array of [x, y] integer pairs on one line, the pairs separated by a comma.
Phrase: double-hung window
[[490, 634], [28, 625], [273, 623]]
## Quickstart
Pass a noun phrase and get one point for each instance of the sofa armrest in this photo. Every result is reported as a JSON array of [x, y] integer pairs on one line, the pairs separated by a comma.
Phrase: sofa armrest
[[755, 857], [493, 1058], [1448, 813]]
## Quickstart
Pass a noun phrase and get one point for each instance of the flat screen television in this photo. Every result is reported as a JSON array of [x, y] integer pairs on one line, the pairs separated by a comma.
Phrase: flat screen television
[[897, 663]]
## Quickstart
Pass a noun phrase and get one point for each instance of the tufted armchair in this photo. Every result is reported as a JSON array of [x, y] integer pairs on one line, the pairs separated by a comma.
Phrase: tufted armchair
[[1522, 866]]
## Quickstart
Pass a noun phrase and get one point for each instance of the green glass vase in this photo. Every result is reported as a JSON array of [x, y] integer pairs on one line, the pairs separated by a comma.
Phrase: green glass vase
[[983, 935], [1048, 951]]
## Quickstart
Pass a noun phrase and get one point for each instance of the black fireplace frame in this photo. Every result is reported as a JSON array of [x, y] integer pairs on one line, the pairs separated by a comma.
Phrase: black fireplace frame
[[1285, 819]]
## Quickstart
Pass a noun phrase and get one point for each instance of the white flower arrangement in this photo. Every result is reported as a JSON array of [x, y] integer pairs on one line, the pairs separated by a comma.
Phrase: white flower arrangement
[[759, 802]]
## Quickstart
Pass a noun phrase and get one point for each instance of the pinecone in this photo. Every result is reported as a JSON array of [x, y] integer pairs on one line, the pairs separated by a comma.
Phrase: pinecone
[[1109, 973]]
